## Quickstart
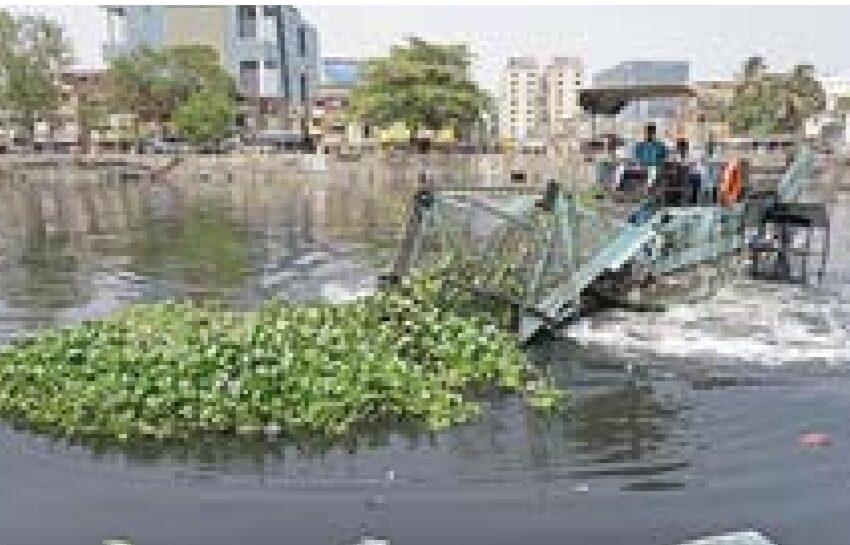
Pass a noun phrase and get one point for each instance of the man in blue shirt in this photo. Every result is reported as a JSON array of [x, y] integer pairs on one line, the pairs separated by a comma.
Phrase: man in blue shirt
[[650, 153]]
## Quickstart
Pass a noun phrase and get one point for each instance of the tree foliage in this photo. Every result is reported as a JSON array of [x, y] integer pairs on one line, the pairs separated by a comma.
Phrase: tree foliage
[[154, 83], [421, 84], [205, 116], [33, 53], [91, 114], [772, 103]]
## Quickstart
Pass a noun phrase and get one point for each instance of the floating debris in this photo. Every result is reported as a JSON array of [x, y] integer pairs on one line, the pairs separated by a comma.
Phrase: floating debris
[[814, 439], [120, 541], [738, 538], [372, 541]]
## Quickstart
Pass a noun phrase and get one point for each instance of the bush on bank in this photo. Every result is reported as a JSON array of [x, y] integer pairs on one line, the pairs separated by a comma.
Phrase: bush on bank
[[177, 370]]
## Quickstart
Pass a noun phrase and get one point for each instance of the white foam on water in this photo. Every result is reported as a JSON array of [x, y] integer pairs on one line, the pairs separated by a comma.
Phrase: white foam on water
[[768, 324], [366, 540], [341, 293], [738, 538], [308, 259]]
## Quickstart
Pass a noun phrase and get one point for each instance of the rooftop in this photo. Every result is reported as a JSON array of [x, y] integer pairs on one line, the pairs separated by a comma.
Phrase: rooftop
[[522, 62]]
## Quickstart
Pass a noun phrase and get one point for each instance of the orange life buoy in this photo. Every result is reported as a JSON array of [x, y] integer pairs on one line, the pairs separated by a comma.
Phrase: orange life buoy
[[730, 183]]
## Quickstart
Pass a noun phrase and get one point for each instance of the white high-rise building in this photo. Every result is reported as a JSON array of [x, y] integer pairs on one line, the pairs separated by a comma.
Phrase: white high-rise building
[[563, 78], [520, 99], [537, 100], [835, 87]]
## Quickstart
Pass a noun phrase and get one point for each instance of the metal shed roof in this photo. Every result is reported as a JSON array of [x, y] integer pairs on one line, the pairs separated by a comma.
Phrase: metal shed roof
[[611, 100]]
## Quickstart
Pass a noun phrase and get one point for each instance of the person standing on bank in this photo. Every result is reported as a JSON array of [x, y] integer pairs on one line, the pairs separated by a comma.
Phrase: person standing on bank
[[650, 153]]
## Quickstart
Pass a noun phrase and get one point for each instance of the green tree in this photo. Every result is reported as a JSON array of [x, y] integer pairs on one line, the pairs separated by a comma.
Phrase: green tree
[[33, 53], [421, 84], [807, 95], [754, 67], [769, 103], [153, 83], [90, 115], [205, 116]]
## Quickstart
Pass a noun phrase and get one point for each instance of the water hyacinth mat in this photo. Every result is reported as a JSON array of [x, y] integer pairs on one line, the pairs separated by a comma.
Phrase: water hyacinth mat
[[181, 370]]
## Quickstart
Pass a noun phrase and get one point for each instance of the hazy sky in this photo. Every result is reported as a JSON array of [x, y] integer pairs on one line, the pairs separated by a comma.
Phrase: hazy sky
[[714, 39]]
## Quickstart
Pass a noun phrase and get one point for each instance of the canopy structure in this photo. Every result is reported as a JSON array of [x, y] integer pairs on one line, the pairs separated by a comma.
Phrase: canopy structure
[[611, 100]]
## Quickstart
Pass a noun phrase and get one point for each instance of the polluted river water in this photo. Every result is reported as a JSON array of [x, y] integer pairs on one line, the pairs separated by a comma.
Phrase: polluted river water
[[725, 416]]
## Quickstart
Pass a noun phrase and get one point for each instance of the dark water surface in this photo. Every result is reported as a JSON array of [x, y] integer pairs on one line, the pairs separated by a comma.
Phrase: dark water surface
[[701, 437]]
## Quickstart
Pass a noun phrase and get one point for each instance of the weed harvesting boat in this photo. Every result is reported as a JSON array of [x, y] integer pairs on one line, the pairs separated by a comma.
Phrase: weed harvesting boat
[[551, 254]]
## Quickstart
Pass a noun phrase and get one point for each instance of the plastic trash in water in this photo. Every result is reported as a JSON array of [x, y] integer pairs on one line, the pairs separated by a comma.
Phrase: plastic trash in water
[[814, 439], [737, 538], [581, 487], [365, 540]]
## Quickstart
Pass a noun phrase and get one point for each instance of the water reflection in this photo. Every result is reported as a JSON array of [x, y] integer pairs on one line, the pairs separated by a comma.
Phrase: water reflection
[[196, 247], [75, 247]]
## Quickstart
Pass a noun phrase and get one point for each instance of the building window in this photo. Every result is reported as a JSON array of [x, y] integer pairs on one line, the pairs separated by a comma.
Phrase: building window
[[303, 86], [302, 41], [247, 17], [269, 11], [249, 80], [271, 65]]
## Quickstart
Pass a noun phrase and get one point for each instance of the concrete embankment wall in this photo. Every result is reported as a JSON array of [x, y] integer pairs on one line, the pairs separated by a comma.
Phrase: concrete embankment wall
[[401, 169]]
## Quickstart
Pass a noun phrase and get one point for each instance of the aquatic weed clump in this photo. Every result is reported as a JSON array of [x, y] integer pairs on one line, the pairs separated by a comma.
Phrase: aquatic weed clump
[[178, 370]]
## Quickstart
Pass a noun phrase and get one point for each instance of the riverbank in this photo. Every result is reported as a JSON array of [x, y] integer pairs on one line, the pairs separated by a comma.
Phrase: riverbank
[[400, 169], [397, 169]]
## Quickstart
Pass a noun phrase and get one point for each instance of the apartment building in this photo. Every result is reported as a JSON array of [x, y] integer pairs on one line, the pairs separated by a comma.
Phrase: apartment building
[[837, 91], [538, 100], [563, 78], [271, 51]]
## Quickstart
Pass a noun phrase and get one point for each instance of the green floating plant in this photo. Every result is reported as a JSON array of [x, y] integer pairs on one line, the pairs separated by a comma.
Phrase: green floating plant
[[177, 370]]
